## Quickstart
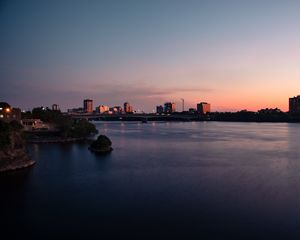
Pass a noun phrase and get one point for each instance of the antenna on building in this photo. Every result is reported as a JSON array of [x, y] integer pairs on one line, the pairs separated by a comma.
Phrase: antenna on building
[[182, 100]]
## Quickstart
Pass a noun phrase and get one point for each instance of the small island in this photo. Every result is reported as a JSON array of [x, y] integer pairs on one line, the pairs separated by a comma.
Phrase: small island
[[101, 145]]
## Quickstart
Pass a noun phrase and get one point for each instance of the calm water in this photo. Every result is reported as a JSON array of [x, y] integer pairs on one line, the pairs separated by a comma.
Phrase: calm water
[[163, 180]]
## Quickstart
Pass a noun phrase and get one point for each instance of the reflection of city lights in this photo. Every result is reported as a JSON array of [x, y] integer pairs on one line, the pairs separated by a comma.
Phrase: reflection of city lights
[[7, 110]]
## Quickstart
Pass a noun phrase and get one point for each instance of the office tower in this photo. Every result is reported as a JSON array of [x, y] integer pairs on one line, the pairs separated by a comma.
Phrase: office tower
[[203, 108], [88, 105]]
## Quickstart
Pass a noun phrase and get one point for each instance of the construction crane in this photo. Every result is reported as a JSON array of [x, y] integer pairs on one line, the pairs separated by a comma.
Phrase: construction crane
[[182, 100]]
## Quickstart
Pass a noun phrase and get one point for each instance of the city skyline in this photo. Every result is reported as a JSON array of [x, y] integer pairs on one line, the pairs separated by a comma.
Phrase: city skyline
[[233, 55]]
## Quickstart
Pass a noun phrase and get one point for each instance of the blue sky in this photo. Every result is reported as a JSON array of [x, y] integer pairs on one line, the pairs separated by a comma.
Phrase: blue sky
[[234, 54]]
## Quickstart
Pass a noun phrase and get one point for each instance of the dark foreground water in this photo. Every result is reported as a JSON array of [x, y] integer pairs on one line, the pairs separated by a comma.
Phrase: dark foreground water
[[162, 181]]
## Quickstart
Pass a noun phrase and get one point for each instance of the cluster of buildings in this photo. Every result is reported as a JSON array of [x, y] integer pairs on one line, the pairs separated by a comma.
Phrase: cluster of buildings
[[167, 108], [170, 107], [101, 109], [7, 113]]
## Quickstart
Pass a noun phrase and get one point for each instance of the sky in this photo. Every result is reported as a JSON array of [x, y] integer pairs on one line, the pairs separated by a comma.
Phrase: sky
[[233, 54]]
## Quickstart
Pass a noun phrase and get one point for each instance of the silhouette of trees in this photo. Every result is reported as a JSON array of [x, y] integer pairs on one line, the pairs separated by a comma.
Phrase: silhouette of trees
[[6, 129], [67, 126]]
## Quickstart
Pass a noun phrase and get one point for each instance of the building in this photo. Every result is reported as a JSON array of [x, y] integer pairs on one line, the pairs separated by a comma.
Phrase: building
[[55, 107], [115, 110], [7, 113], [88, 105], [118, 109], [128, 108], [294, 104], [170, 107], [102, 109], [112, 110], [203, 108], [159, 109], [34, 125]]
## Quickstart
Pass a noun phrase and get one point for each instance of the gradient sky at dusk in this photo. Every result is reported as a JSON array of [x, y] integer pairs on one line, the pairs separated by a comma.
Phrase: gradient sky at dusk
[[233, 54]]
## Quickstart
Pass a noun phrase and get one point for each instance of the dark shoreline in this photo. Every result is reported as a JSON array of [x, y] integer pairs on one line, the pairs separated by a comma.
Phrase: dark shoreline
[[55, 140], [192, 120], [179, 117], [17, 166]]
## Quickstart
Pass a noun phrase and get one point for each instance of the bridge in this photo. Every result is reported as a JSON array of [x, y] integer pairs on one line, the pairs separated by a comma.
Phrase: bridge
[[139, 117]]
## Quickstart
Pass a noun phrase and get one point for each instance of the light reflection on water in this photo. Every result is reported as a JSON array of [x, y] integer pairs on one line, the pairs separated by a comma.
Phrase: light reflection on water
[[223, 179]]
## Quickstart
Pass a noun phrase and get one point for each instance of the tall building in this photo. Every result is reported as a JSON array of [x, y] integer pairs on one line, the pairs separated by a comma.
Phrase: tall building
[[294, 104], [128, 108], [203, 108], [55, 107], [159, 109], [170, 107], [88, 105]]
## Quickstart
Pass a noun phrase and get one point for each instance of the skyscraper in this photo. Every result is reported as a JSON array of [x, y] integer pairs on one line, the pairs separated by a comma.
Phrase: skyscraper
[[88, 105], [294, 104], [203, 108]]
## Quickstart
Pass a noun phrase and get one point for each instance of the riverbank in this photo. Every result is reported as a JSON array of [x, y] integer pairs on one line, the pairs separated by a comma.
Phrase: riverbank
[[55, 140], [17, 165], [13, 152]]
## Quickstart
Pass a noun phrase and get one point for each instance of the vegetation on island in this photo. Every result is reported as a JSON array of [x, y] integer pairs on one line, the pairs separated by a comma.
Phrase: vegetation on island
[[101, 145], [64, 124]]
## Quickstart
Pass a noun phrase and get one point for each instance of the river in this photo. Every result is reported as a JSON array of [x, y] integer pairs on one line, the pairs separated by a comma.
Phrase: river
[[163, 180]]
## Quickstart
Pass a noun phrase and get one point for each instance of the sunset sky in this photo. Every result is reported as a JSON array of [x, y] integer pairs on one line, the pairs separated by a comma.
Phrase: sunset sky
[[234, 54]]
